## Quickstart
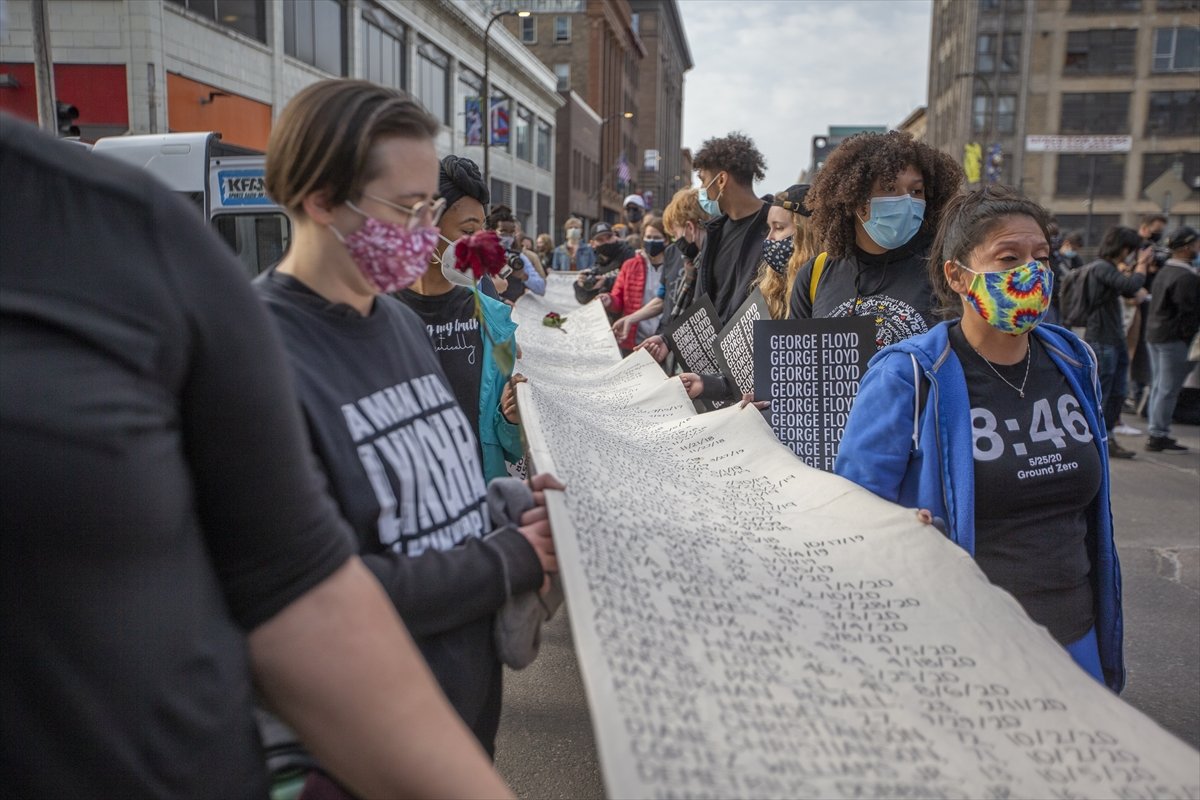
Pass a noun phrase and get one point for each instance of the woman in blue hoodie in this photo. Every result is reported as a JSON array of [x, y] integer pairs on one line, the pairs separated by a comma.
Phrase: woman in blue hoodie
[[991, 422]]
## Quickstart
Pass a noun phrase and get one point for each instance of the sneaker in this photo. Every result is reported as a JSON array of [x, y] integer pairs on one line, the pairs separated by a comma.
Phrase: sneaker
[[1164, 444], [1115, 450], [1127, 430]]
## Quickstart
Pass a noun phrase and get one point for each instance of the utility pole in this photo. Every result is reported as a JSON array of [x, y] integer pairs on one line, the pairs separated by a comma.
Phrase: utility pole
[[43, 68]]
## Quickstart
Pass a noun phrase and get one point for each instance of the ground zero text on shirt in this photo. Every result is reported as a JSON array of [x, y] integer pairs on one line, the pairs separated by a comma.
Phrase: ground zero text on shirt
[[414, 441]]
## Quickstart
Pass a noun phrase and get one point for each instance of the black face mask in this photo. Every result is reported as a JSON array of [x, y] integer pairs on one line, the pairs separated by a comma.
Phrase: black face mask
[[634, 214], [607, 252], [1155, 237], [689, 249]]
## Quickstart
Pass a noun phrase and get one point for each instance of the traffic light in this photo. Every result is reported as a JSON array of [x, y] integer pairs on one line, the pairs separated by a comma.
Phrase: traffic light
[[67, 114]]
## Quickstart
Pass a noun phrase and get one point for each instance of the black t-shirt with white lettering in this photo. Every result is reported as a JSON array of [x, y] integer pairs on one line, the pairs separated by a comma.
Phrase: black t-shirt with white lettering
[[454, 330], [1037, 470], [403, 463]]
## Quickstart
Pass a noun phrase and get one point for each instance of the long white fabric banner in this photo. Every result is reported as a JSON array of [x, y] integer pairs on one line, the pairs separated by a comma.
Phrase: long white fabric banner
[[750, 627]]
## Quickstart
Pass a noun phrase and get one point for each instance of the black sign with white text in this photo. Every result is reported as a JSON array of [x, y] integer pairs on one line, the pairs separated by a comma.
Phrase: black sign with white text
[[810, 370]]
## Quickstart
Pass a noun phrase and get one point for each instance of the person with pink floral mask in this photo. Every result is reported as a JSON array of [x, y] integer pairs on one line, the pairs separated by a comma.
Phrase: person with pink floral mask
[[356, 168]]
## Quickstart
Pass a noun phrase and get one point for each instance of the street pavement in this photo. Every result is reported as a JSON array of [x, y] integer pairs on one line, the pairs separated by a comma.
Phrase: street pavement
[[545, 748]]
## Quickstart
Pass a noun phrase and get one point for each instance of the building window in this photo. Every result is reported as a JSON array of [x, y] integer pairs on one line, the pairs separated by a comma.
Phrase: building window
[[1075, 175], [524, 133], [1100, 52], [562, 29], [576, 169], [1173, 113], [528, 29], [563, 73], [635, 22], [1177, 49], [543, 213], [383, 51], [1010, 52], [524, 208], [1155, 164], [1101, 223], [244, 16], [1105, 6], [1005, 118], [501, 193], [545, 143], [433, 80], [1094, 112], [314, 32], [1179, 5]]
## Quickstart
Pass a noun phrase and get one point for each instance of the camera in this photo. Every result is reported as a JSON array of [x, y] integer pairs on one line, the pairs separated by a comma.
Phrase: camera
[[1161, 254]]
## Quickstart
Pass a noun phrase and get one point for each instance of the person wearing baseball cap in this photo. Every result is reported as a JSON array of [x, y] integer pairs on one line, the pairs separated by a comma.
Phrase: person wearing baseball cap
[[1174, 319], [635, 211]]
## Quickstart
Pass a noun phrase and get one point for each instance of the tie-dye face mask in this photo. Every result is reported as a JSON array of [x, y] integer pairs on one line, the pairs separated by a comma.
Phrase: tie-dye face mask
[[1014, 301]]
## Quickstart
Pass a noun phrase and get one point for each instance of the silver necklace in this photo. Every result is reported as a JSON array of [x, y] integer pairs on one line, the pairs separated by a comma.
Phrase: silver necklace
[[1028, 360]]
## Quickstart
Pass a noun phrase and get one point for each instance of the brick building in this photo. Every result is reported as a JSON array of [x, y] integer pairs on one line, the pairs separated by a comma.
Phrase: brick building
[[1002, 71], [593, 49], [659, 123], [577, 175], [150, 66]]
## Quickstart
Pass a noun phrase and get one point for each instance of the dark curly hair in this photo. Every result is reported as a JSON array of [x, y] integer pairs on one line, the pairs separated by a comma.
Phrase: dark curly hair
[[967, 220], [735, 154], [844, 184], [499, 213]]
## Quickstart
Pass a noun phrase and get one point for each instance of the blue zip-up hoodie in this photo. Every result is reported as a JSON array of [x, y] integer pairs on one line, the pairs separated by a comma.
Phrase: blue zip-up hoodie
[[498, 438], [918, 452]]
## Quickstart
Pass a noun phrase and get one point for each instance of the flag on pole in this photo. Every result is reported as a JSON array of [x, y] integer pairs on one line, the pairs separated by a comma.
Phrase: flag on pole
[[623, 172]]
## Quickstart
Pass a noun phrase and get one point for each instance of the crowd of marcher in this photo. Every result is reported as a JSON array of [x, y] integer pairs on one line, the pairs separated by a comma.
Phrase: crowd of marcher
[[256, 484]]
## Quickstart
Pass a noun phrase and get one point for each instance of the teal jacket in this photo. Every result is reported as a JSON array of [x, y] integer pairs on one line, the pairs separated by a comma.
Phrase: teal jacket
[[499, 439]]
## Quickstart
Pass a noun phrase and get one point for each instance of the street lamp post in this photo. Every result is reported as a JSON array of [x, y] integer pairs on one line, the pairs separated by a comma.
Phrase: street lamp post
[[487, 91]]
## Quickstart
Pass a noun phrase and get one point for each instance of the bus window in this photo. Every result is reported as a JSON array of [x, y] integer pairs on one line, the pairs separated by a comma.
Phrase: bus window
[[259, 240]]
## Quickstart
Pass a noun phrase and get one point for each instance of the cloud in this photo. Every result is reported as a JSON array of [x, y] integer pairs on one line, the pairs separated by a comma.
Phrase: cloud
[[783, 71]]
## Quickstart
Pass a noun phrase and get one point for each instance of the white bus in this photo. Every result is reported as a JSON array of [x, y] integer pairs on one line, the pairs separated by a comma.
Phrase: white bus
[[224, 181]]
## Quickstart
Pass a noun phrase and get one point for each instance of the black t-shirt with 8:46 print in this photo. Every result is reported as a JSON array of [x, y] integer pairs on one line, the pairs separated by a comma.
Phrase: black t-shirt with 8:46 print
[[1037, 470]]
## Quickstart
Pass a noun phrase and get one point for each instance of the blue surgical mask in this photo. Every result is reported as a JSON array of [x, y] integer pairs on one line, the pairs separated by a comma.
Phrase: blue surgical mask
[[894, 220], [709, 206]]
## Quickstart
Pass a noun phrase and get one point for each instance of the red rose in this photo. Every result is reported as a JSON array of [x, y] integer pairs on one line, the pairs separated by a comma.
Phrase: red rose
[[481, 253]]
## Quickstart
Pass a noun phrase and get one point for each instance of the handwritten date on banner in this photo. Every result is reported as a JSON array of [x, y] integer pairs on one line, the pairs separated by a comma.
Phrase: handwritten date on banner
[[750, 627]]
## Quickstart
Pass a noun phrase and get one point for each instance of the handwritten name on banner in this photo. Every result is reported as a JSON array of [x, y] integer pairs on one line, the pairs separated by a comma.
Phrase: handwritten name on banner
[[750, 627]]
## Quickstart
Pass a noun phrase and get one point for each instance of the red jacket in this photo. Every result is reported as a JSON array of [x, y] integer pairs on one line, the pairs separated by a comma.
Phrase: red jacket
[[627, 293]]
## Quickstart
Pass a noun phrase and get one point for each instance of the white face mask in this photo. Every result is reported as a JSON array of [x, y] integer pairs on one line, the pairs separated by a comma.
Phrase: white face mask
[[574, 234]]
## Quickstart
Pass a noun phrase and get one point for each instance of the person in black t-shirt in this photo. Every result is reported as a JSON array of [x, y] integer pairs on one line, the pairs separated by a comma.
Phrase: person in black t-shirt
[[399, 453], [164, 539], [454, 314], [875, 206], [1007, 425]]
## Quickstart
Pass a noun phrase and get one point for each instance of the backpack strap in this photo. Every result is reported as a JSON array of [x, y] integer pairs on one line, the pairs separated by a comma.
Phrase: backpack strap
[[818, 268]]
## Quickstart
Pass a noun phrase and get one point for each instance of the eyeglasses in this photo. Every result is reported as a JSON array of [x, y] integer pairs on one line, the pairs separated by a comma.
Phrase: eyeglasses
[[422, 214]]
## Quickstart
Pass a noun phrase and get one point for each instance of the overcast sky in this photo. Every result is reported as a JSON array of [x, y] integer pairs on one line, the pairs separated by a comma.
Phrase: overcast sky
[[783, 71]]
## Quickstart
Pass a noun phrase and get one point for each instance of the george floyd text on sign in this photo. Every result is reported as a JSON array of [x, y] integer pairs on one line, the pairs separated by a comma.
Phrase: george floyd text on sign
[[734, 345], [810, 370]]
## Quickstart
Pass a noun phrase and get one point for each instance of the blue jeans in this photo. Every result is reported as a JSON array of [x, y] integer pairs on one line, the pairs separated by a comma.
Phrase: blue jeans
[[1170, 369], [1112, 360]]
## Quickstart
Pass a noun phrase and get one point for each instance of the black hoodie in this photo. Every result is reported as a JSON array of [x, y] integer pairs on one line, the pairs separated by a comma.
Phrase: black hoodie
[[893, 287]]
